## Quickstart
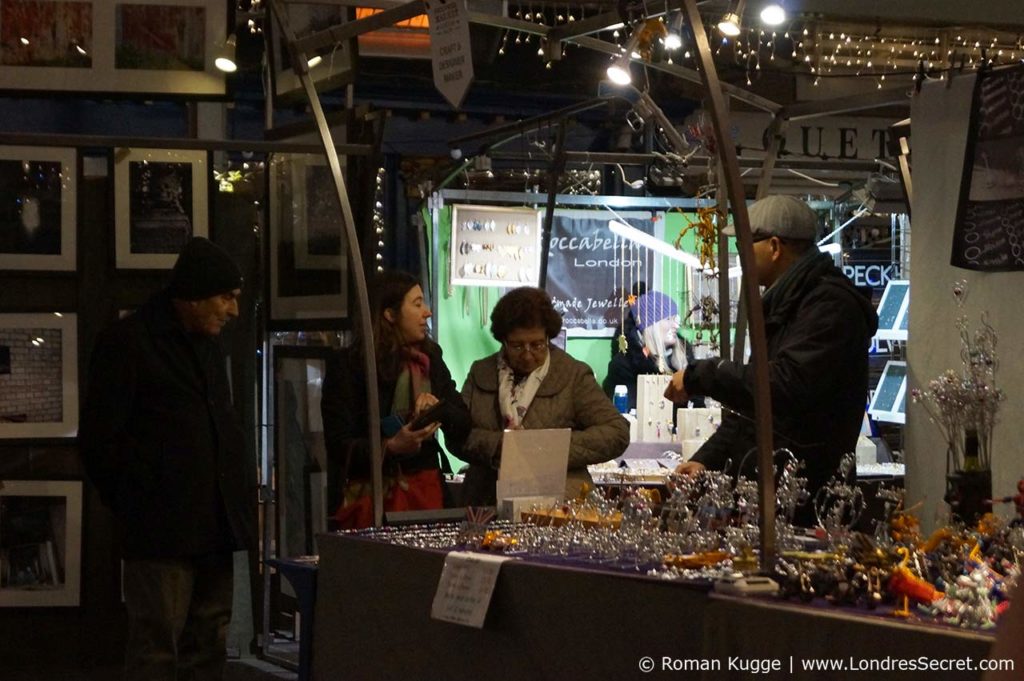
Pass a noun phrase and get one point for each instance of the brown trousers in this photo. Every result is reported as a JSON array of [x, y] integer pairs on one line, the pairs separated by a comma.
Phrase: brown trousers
[[178, 615]]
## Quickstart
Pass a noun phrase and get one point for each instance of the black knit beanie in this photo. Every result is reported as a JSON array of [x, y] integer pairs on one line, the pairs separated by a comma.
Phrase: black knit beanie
[[203, 270]]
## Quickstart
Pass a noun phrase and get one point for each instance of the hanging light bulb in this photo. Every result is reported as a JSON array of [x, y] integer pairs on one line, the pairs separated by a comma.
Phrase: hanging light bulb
[[773, 14], [730, 23], [674, 38]]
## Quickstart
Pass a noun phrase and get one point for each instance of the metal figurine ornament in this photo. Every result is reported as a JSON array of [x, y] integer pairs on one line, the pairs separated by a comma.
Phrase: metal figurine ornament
[[838, 505]]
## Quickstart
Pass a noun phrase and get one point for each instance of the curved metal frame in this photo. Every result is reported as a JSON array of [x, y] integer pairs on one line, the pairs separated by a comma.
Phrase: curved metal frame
[[355, 262]]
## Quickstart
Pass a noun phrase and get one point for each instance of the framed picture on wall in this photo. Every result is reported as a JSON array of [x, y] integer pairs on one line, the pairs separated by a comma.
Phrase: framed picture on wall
[[160, 202], [308, 259], [140, 46], [330, 67], [300, 455], [40, 543], [37, 208], [38, 375]]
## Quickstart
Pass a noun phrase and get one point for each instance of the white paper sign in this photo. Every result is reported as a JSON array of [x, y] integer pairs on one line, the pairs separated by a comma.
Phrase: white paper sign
[[449, 49], [465, 588], [534, 463]]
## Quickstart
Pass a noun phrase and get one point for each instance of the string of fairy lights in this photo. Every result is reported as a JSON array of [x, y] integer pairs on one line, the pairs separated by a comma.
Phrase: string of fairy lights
[[378, 219], [816, 48]]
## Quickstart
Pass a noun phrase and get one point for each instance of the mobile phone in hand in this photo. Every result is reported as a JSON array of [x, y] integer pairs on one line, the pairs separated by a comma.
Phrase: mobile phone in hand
[[432, 414]]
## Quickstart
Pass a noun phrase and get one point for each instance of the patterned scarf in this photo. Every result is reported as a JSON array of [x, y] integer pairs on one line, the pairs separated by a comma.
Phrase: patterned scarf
[[413, 380], [514, 397]]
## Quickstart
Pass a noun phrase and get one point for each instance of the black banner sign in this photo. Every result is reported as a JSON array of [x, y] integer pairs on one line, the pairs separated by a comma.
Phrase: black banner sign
[[588, 266], [989, 230]]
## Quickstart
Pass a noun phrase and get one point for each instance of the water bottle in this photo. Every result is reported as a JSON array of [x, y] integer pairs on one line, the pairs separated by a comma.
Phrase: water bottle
[[621, 399]]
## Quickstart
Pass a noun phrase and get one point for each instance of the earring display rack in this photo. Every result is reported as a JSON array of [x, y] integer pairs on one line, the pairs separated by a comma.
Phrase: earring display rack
[[653, 410], [495, 246]]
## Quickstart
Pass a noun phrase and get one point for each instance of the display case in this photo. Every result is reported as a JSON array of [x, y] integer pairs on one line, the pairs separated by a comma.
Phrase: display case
[[495, 246]]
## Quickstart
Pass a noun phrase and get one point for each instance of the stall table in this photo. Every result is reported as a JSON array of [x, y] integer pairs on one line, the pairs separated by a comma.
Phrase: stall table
[[555, 622]]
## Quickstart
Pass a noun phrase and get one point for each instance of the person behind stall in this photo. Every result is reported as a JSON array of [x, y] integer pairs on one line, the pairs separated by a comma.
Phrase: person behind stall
[[818, 328], [531, 384], [165, 449], [653, 345], [1017, 500], [411, 378]]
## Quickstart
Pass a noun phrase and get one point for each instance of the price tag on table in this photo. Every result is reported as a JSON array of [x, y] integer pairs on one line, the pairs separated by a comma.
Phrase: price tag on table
[[465, 588]]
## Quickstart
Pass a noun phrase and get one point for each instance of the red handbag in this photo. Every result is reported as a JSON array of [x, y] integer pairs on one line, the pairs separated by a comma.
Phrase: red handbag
[[405, 492]]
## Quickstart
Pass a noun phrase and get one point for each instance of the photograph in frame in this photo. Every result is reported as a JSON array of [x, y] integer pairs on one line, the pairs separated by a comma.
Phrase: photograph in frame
[[300, 456], [317, 231], [40, 543], [46, 34], [160, 37], [307, 281], [39, 381], [160, 203], [37, 208], [335, 65], [158, 47]]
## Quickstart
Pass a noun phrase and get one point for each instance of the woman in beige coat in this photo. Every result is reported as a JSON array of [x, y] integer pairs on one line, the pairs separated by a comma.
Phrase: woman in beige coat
[[530, 384]]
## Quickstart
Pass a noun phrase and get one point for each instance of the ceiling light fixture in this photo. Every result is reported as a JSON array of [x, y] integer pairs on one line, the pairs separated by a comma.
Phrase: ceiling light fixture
[[731, 21], [618, 72], [225, 60], [674, 38], [314, 60], [773, 14]]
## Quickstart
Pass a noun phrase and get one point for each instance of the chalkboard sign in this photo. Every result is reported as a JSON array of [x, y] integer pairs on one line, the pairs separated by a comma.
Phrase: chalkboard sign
[[588, 267], [989, 230]]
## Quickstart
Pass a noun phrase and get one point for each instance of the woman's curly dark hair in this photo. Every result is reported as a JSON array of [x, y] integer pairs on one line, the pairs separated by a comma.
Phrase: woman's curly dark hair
[[524, 308]]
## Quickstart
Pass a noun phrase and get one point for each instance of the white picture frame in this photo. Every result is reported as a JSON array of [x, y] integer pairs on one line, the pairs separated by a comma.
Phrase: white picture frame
[[41, 553], [160, 202], [39, 384], [102, 47], [38, 232], [330, 68], [304, 287]]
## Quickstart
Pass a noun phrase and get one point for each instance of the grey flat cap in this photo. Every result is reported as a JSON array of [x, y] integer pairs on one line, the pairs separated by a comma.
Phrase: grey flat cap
[[783, 216]]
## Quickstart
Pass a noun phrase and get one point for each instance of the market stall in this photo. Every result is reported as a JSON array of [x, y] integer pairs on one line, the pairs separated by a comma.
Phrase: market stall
[[552, 621]]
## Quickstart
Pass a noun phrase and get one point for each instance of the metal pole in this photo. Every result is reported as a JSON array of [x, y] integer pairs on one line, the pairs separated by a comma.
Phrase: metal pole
[[762, 394], [355, 262], [557, 166]]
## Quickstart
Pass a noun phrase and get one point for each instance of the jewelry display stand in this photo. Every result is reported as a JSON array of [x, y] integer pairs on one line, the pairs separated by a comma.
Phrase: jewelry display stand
[[653, 410], [495, 246]]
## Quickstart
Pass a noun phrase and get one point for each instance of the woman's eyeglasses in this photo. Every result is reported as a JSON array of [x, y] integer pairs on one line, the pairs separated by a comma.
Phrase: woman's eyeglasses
[[535, 348]]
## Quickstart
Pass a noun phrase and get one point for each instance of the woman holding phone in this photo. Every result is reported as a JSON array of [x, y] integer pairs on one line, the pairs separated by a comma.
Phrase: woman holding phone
[[412, 378]]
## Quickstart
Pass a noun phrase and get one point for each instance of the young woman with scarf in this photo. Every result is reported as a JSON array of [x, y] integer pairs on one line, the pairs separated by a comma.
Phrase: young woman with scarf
[[412, 377]]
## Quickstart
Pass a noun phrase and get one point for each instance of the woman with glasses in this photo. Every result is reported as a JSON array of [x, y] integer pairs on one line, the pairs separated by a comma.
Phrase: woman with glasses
[[531, 384], [411, 378]]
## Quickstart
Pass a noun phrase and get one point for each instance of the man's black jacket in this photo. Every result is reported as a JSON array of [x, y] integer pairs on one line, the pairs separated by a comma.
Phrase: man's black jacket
[[818, 328], [161, 441]]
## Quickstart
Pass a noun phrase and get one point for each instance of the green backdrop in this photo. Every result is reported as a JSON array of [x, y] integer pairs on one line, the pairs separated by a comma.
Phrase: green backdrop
[[462, 313]]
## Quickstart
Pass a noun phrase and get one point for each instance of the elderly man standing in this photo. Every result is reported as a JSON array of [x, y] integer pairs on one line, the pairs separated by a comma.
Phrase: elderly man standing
[[818, 328], [164, 447]]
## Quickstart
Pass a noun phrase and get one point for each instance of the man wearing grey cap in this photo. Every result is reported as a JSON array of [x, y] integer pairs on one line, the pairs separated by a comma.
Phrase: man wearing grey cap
[[818, 328], [165, 449]]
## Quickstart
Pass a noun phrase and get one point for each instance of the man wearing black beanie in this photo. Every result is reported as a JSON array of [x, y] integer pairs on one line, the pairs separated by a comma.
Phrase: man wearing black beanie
[[161, 442]]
